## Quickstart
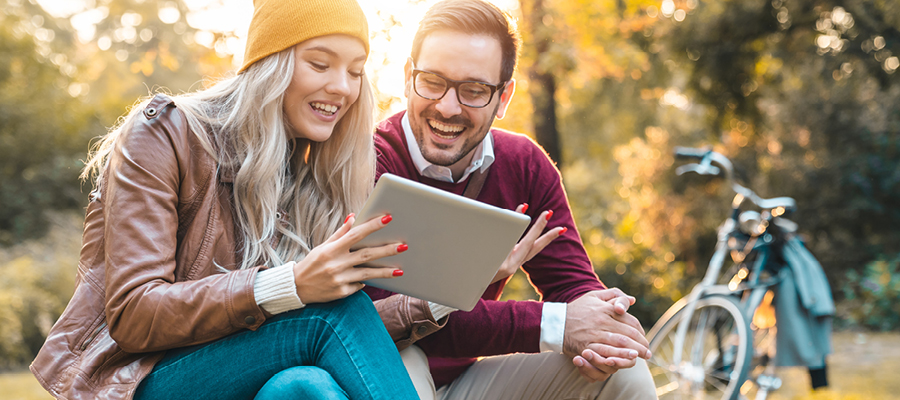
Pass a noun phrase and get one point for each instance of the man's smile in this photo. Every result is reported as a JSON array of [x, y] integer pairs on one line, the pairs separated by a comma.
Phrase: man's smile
[[445, 131]]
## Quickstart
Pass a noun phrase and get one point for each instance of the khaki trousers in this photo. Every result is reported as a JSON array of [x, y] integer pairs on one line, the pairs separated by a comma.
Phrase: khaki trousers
[[542, 376]]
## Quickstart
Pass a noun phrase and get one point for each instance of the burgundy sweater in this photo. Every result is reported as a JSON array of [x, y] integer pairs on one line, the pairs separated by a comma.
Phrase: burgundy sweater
[[521, 173]]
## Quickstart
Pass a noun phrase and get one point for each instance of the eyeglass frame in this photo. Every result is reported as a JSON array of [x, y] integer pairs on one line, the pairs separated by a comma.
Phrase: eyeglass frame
[[454, 84]]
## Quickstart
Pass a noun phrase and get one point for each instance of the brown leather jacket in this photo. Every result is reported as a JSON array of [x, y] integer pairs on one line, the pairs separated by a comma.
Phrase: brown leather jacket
[[142, 289]]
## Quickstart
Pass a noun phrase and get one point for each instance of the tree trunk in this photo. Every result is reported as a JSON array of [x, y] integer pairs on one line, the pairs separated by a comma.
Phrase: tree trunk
[[542, 83]]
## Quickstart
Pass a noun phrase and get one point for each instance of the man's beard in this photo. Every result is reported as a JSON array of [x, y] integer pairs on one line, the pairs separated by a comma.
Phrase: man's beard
[[443, 161], [435, 159]]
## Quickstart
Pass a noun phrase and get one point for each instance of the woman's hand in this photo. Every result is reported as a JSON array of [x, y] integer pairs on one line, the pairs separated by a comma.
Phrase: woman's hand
[[531, 244], [329, 273]]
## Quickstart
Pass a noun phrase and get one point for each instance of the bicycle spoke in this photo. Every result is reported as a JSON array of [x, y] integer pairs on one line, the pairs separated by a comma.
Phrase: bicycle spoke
[[701, 327], [714, 351], [717, 382], [661, 363]]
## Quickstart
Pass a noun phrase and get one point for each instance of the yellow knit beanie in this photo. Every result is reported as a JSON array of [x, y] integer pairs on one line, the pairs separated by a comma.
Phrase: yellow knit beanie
[[279, 24]]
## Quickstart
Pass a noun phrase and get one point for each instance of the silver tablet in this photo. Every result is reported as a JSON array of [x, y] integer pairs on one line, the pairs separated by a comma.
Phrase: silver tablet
[[456, 244]]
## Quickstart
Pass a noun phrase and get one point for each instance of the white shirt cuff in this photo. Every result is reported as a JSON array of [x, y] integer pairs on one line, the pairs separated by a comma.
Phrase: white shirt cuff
[[553, 327], [275, 290], [440, 311]]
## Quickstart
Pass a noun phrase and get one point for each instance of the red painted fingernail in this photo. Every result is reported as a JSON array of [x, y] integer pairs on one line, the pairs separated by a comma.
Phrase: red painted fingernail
[[564, 229], [398, 272], [549, 214], [387, 218], [348, 217], [524, 207], [401, 248]]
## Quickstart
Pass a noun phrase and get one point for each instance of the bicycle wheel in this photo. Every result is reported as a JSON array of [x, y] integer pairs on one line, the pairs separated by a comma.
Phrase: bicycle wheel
[[761, 378], [714, 354]]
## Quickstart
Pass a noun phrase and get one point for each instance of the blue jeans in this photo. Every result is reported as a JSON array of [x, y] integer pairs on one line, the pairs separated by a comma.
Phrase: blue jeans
[[331, 350]]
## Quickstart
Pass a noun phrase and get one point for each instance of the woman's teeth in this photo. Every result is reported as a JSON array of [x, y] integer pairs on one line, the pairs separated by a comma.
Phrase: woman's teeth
[[445, 131], [326, 109]]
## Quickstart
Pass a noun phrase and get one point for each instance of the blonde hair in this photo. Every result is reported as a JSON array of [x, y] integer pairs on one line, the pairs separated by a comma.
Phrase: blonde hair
[[240, 122]]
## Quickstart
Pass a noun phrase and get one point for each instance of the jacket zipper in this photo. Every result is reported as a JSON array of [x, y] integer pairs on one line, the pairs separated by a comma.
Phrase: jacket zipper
[[93, 336]]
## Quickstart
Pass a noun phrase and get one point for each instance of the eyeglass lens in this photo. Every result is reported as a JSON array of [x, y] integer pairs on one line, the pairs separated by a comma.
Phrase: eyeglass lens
[[433, 87]]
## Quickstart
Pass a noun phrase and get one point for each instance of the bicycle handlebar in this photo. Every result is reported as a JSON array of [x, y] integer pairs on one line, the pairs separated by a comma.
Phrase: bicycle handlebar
[[690, 152], [705, 167]]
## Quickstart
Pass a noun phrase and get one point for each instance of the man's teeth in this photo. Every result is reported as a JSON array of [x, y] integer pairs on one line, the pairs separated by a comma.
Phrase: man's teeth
[[324, 108], [439, 128]]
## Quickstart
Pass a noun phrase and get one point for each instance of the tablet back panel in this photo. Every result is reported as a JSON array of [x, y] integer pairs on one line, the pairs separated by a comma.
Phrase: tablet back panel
[[456, 244]]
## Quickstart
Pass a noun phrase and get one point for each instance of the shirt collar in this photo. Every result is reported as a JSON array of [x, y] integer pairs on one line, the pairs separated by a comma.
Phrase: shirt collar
[[483, 158]]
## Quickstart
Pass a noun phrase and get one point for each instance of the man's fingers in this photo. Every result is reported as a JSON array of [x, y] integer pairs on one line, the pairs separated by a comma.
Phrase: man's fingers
[[632, 327], [631, 341], [621, 304], [589, 370], [612, 351], [622, 363], [638, 332], [604, 364], [609, 294], [618, 358]]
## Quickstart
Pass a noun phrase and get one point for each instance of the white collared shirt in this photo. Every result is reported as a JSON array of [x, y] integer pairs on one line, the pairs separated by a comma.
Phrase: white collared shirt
[[553, 315]]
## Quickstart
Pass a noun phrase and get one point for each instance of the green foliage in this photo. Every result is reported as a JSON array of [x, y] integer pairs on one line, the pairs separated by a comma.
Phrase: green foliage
[[57, 92], [42, 134], [38, 279], [872, 297], [801, 95]]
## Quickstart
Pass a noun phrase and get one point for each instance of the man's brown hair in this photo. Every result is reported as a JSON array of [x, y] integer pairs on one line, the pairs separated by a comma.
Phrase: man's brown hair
[[472, 17]]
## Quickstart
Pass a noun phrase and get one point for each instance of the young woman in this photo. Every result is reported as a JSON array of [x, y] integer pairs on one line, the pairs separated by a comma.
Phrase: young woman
[[216, 259]]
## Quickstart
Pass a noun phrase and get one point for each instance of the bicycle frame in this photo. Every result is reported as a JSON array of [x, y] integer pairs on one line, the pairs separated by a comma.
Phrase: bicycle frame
[[708, 285], [750, 287]]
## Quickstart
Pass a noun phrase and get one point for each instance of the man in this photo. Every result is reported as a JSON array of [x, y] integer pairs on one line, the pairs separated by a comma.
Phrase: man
[[579, 342]]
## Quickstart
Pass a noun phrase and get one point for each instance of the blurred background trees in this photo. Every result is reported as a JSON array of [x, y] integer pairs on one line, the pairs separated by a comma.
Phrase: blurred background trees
[[57, 91], [801, 94], [60, 88]]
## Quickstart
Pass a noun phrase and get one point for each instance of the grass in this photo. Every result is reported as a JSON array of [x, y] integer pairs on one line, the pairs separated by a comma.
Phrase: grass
[[863, 367], [21, 386]]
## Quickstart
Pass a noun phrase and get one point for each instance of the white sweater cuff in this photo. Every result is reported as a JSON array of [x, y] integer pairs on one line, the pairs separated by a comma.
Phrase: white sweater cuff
[[275, 290], [440, 311], [553, 327]]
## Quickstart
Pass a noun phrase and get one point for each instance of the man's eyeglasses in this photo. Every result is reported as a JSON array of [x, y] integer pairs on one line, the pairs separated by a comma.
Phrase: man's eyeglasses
[[473, 94]]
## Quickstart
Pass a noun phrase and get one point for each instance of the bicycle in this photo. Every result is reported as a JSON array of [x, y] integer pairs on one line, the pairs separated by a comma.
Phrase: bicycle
[[719, 341]]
